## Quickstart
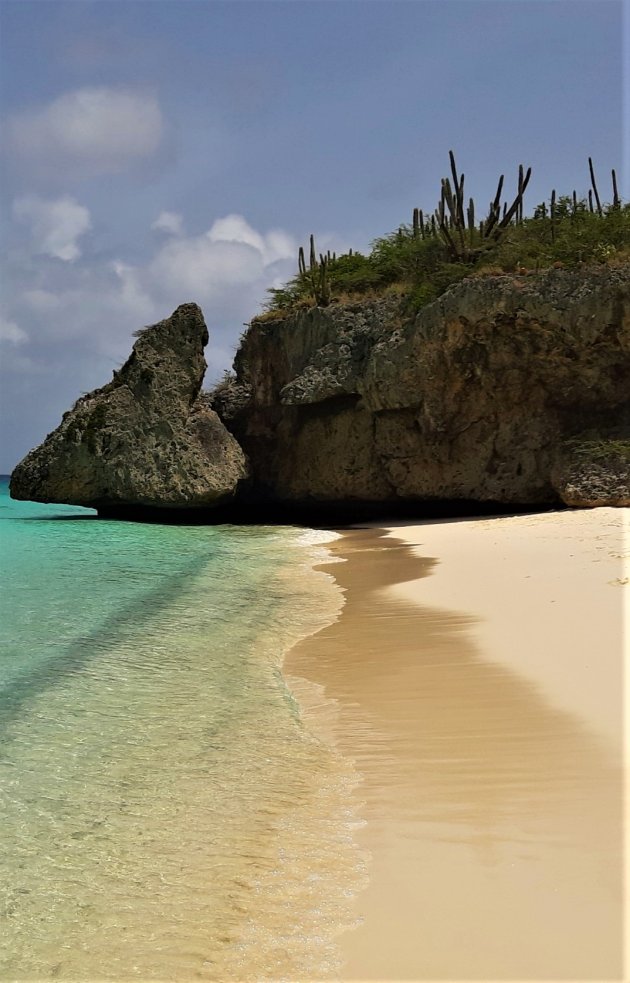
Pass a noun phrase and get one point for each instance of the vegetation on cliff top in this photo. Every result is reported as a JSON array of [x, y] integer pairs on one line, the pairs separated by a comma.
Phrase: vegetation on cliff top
[[422, 259]]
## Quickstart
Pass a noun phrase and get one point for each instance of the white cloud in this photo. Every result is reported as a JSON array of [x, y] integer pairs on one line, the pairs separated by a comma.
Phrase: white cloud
[[12, 332], [169, 222], [234, 228], [231, 254], [92, 130], [198, 267], [133, 297], [56, 224]]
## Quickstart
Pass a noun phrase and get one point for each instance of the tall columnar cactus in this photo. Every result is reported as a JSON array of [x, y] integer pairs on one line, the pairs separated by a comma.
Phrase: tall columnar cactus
[[470, 215], [511, 211], [442, 220], [521, 188], [458, 185], [495, 210], [616, 198], [316, 275], [593, 182], [322, 295], [452, 226]]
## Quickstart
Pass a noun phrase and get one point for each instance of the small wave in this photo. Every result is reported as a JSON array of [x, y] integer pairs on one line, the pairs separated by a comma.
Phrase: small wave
[[168, 813]]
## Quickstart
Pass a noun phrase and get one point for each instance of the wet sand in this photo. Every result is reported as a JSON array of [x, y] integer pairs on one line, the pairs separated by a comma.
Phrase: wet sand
[[484, 715]]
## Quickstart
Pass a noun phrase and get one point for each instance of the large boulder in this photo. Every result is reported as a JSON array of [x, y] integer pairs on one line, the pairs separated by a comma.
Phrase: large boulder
[[591, 473], [146, 439]]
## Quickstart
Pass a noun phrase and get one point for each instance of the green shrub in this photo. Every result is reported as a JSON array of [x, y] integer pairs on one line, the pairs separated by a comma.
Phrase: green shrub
[[423, 259]]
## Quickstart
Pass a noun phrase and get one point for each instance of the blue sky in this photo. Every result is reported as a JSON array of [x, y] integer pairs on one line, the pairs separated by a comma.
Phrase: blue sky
[[162, 152]]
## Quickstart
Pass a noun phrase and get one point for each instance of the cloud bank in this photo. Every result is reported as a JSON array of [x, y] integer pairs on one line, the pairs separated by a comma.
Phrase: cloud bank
[[55, 225], [88, 131], [94, 304]]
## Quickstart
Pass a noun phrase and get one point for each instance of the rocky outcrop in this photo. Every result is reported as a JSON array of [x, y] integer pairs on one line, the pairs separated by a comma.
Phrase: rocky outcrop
[[508, 390], [147, 439], [473, 399]]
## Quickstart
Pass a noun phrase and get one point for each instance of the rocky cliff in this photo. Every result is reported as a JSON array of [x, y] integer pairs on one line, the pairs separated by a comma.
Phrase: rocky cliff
[[511, 390], [507, 389], [147, 439]]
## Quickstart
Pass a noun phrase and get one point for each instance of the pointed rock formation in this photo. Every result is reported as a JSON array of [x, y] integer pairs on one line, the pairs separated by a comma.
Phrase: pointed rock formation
[[147, 439]]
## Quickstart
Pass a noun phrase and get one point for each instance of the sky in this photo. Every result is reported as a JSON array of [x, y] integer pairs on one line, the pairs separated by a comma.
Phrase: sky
[[165, 151]]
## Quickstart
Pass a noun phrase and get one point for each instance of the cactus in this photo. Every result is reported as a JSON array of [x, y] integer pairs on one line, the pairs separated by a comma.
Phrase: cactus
[[494, 210], [593, 182], [616, 198], [453, 226], [511, 211], [458, 184], [552, 213], [322, 294], [470, 214], [441, 218], [316, 274]]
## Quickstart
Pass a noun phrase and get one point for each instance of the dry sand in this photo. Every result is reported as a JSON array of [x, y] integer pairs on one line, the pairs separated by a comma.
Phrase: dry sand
[[476, 674]]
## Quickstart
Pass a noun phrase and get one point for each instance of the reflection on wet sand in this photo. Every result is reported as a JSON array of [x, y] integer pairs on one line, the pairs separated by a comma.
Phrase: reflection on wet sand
[[494, 820]]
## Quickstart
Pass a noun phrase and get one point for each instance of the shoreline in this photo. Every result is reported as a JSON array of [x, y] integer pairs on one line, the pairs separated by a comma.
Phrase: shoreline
[[490, 801]]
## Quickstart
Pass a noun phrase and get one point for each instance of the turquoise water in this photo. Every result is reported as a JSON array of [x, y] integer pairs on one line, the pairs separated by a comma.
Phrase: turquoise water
[[165, 812]]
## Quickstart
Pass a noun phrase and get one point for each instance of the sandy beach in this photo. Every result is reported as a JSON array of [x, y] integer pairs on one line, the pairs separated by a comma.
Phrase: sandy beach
[[475, 677]]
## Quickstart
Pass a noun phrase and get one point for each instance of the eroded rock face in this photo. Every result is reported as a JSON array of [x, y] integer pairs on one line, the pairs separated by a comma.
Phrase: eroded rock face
[[148, 438], [475, 398]]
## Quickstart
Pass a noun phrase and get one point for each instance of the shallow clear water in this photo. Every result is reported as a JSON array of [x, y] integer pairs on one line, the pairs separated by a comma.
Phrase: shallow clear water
[[165, 813]]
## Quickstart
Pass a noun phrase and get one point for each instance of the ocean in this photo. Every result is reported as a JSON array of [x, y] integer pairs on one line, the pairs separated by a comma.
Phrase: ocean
[[166, 813]]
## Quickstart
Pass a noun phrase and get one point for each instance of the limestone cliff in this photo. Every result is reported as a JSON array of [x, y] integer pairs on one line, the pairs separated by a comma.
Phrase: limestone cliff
[[148, 438], [488, 394]]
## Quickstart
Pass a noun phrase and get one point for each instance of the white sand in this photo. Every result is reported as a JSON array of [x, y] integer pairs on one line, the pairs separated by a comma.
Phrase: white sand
[[551, 593], [476, 670]]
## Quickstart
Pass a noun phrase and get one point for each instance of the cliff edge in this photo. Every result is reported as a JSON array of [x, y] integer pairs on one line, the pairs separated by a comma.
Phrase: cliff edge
[[507, 389]]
